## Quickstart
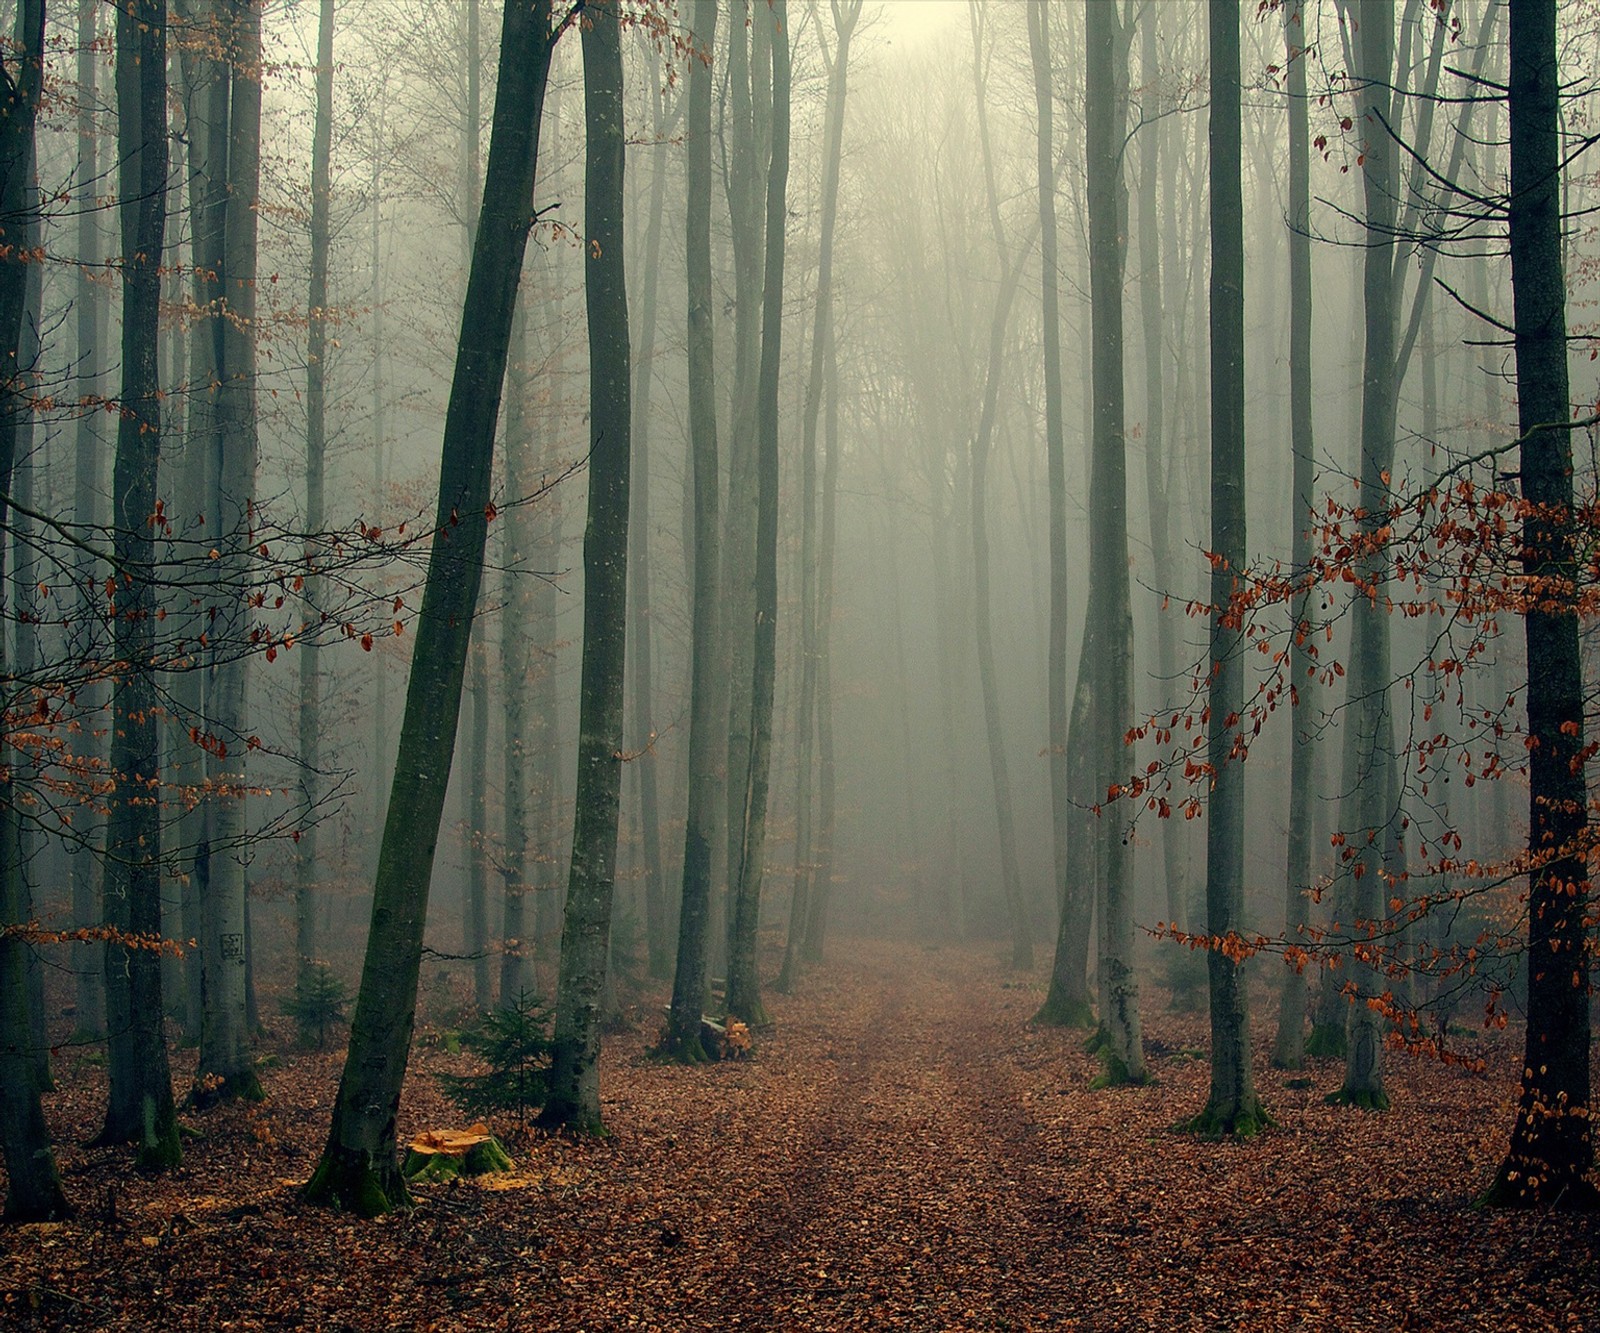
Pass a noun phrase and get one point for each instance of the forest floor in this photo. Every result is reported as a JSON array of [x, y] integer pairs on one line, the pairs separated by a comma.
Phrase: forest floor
[[903, 1151]]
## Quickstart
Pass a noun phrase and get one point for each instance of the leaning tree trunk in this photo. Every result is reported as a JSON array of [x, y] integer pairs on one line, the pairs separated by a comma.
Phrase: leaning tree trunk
[[1232, 1106], [141, 1109], [681, 1040], [746, 871], [1289, 1051], [574, 1098], [359, 1168], [1552, 1144]]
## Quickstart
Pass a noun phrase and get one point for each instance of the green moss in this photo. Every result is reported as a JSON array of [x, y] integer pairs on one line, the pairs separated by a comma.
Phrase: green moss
[[1114, 1072], [1057, 1012], [160, 1148], [682, 1049], [1216, 1123], [1365, 1099], [1326, 1042], [352, 1182], [482, 1159]]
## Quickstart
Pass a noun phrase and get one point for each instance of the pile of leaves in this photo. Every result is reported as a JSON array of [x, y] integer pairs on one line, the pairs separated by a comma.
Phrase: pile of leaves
[[902, 1151]]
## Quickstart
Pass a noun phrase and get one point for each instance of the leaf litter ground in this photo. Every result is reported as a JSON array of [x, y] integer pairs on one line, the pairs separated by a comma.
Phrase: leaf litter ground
[[902, 1152]]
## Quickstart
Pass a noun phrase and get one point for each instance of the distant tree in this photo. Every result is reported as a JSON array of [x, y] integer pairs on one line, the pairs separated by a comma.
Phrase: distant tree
[[574, 1099], [359, 1168], [747, 868], [1232, 1106], [1552, 1143]]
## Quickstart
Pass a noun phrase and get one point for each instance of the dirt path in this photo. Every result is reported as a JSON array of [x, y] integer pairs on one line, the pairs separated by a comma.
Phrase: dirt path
[[903, 1152]]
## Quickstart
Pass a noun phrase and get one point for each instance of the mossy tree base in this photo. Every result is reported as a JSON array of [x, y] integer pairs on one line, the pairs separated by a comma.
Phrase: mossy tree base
[[1216, 1123], [1058, 1012], [1114, 1072], [354, 1182], [1326, 1042], [1365, 1099], [680, 1049], [215, 1090]]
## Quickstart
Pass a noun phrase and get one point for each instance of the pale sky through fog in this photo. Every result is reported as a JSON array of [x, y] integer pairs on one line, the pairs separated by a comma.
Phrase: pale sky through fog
[[914, 21]]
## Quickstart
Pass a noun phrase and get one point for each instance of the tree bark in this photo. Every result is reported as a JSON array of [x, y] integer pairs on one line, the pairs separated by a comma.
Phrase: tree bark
[[1552, 1145], [574, 1100]]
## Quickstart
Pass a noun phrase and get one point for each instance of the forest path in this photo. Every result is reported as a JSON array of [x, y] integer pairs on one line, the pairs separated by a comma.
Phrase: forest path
[[903, 1151]]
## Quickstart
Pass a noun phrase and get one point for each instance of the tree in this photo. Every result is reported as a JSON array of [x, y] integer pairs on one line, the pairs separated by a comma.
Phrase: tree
[[359, 1168], [845, 17], [1289, 1050], [140, 1109], [1232, 1106], [1552, 1145], [317, 350], [34, 1192], [574, 1099], [1110, 610], [746, 869], [681, 1040]]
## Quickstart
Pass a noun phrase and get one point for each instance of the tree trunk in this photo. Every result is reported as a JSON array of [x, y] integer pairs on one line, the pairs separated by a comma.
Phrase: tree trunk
[[681, 1040], [1289, 1051], [804, 887], [1552, 1146], [1106, 132], [359, 1168], [310, 719], [1232, 1106], [746, 871], [574, 1100], [34, 1191], [141, 1109]]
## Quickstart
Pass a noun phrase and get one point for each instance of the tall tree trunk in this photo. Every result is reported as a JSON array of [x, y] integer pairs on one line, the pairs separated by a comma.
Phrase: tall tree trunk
[[33, 1185], [1232, 1106], [746, 871], [681, 1040], [845, 16], [87, 512], [1289, 1050], [310, 719], [359, 1169], [1157, 497], [1552, 1145], [141, 1109], [574, 1099], [1369, 651], [226, 1068], [645, 762]]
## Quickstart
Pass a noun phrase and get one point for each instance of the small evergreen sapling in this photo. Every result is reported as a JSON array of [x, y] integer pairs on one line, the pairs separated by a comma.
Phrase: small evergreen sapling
[[514, 1041], [317, 1004]]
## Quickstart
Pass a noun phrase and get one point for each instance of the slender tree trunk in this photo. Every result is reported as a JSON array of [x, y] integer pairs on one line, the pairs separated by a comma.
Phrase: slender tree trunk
[[1105, 124], [845, 17], [1552, 1145], [681, 1040], [1369, 651], [310, 720], [646, 764], [226, 1069], [1289, 1051], [574, 1099], [746, 871], [1232, 1106], [87, 512], [141, 1109], [359, 1169]]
